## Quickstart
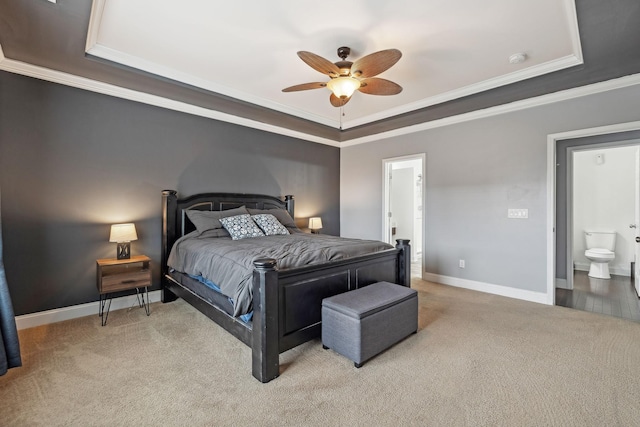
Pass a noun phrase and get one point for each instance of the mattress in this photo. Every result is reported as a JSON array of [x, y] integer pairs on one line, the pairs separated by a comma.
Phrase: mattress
[[229, 263]]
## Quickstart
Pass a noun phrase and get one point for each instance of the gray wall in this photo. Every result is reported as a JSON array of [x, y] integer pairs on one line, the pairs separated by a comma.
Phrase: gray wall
[[73, 162], [475, 171]]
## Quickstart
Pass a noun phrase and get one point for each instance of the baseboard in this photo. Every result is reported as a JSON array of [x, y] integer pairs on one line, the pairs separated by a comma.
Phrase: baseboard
[[615, 270], [505, 291], [81, 310]]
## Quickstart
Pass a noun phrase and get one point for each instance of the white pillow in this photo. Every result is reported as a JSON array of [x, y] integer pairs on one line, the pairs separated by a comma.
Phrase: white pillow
[[241, 227], [269, 224]]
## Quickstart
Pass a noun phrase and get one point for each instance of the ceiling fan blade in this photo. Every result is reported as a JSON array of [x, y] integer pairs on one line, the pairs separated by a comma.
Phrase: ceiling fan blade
[[304, 86], [375, 63], [378, 86], [338, 102], [320, 64]]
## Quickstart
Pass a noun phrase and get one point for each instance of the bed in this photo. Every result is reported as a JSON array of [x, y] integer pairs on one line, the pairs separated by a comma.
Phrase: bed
[[285, 302]]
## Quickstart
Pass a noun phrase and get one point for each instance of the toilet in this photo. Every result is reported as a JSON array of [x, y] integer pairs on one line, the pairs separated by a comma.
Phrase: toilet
[[600, 251]]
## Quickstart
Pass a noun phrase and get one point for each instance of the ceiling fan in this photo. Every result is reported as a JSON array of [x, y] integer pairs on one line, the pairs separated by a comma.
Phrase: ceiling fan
[[347, 76]]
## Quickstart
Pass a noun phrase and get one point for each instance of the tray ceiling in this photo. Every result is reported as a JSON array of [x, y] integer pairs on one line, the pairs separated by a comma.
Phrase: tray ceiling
[[451, 49]]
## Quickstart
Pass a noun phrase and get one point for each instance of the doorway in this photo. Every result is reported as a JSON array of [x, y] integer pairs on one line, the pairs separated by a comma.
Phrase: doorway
[[600, 194], [403, 189]]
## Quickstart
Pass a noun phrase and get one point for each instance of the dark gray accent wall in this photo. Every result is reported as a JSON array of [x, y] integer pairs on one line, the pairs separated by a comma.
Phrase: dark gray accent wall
[[72, 162]]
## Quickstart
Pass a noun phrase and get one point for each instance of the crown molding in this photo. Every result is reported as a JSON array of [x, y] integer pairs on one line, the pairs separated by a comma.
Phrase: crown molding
[[46, 74], [538, 70], [22, 68], [567, 94]]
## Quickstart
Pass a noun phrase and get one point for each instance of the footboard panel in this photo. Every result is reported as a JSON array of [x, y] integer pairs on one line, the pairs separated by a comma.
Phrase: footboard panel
[[301, 291]]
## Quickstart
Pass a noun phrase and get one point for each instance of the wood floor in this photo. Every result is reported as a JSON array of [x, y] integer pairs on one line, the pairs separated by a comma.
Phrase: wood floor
[[613, 297]]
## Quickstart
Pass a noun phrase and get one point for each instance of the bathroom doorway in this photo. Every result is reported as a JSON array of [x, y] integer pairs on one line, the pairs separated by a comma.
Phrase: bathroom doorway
[[403, 190], [603, 194]]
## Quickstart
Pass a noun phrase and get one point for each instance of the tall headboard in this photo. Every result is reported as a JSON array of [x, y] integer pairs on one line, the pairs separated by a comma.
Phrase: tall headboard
[[176, 224]]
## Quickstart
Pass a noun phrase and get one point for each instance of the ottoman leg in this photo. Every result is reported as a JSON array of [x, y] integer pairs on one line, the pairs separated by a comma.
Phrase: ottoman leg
[[357, 365], [325, 347]]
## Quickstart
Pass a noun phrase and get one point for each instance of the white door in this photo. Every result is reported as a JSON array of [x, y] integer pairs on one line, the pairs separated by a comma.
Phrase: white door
[[403, 190], [401, 202]]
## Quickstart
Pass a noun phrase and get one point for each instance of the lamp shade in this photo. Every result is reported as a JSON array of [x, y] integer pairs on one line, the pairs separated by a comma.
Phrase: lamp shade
[[343, 87], [123, 233], [315, 223]]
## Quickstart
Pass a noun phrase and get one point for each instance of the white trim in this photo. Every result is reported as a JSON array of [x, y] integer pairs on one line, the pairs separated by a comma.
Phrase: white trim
[[615, 270], [97, 9], [574, 29], [46, 74], [551, 222], [112, 90], [81, 310], [564, 95], [492, 83], [551, 189], [93, 47], [170, 73], [488, 288]]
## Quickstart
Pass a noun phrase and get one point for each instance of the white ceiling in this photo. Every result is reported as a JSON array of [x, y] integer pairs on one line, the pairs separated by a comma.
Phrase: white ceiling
[[247, 50]]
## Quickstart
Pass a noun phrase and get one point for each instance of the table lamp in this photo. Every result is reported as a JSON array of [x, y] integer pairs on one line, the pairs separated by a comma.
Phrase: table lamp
[[315, 224], [123, 234]]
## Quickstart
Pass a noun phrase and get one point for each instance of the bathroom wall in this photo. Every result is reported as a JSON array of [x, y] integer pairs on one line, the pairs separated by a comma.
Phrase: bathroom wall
[[603, 199]]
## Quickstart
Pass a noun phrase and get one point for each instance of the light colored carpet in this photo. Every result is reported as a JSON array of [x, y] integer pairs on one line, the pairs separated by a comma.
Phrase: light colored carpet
[[477, 360]]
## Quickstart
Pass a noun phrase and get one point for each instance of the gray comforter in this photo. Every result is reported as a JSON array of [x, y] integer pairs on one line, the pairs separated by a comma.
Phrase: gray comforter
[[229, 263]]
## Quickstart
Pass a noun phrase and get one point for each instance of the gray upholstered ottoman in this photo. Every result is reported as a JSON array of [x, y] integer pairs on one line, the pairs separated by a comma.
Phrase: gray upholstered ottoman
[[362, 323]]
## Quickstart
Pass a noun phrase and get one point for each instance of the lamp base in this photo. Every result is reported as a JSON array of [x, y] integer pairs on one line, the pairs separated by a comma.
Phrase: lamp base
[[124, 250]]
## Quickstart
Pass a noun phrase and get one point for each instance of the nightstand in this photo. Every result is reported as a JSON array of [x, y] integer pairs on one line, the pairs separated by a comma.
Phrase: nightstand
[[115, 275]]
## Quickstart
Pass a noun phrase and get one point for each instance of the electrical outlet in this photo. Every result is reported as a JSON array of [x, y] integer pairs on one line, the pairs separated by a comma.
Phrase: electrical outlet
[[461, 263]]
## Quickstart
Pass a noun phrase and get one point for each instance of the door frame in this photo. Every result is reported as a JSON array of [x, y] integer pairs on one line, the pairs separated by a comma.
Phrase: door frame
[[386, 168], [635, 142], [552, 141]]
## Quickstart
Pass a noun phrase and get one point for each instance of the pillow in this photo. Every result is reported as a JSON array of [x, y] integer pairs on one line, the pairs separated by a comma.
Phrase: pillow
[[218, 232], [282, 215], [269, 224], [241, 227], [210, 220]]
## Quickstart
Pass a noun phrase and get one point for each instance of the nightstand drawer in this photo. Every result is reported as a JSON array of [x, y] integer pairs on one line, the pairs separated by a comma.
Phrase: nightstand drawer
[[121, 279]]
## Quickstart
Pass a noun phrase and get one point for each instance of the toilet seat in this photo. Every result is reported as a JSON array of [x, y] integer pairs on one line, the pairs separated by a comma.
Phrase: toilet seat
[[599, 253]]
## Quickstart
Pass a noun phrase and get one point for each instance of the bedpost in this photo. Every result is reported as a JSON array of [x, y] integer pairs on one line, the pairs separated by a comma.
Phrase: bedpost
[[169, 207], [404, 262], [290, 202], [265, 341]]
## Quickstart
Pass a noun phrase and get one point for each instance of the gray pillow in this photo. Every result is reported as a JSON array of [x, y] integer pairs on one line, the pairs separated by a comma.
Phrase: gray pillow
[[269, 224], [241, 227], [210, 220], [282, 215], [218, 232]]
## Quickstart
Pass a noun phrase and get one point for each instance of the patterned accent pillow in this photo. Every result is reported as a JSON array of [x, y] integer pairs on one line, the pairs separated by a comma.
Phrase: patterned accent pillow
[[281, 215], [241, 227], [269, 224]]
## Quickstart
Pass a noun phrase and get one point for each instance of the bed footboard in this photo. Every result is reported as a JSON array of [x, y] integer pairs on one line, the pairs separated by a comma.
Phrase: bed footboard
[[287, 304]]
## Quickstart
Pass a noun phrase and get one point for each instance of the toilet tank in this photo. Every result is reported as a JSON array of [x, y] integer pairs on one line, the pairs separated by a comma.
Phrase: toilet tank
[[600, 239]]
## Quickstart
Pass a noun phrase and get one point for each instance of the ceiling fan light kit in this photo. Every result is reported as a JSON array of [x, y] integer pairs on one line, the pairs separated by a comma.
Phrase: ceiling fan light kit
[[347, 77], [343, 87]]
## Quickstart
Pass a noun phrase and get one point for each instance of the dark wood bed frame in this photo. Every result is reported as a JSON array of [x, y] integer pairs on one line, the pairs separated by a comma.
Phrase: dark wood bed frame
[[286, 303]]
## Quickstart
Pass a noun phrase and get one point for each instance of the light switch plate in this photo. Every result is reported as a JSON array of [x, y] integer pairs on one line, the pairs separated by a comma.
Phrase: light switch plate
[[518, 213]]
